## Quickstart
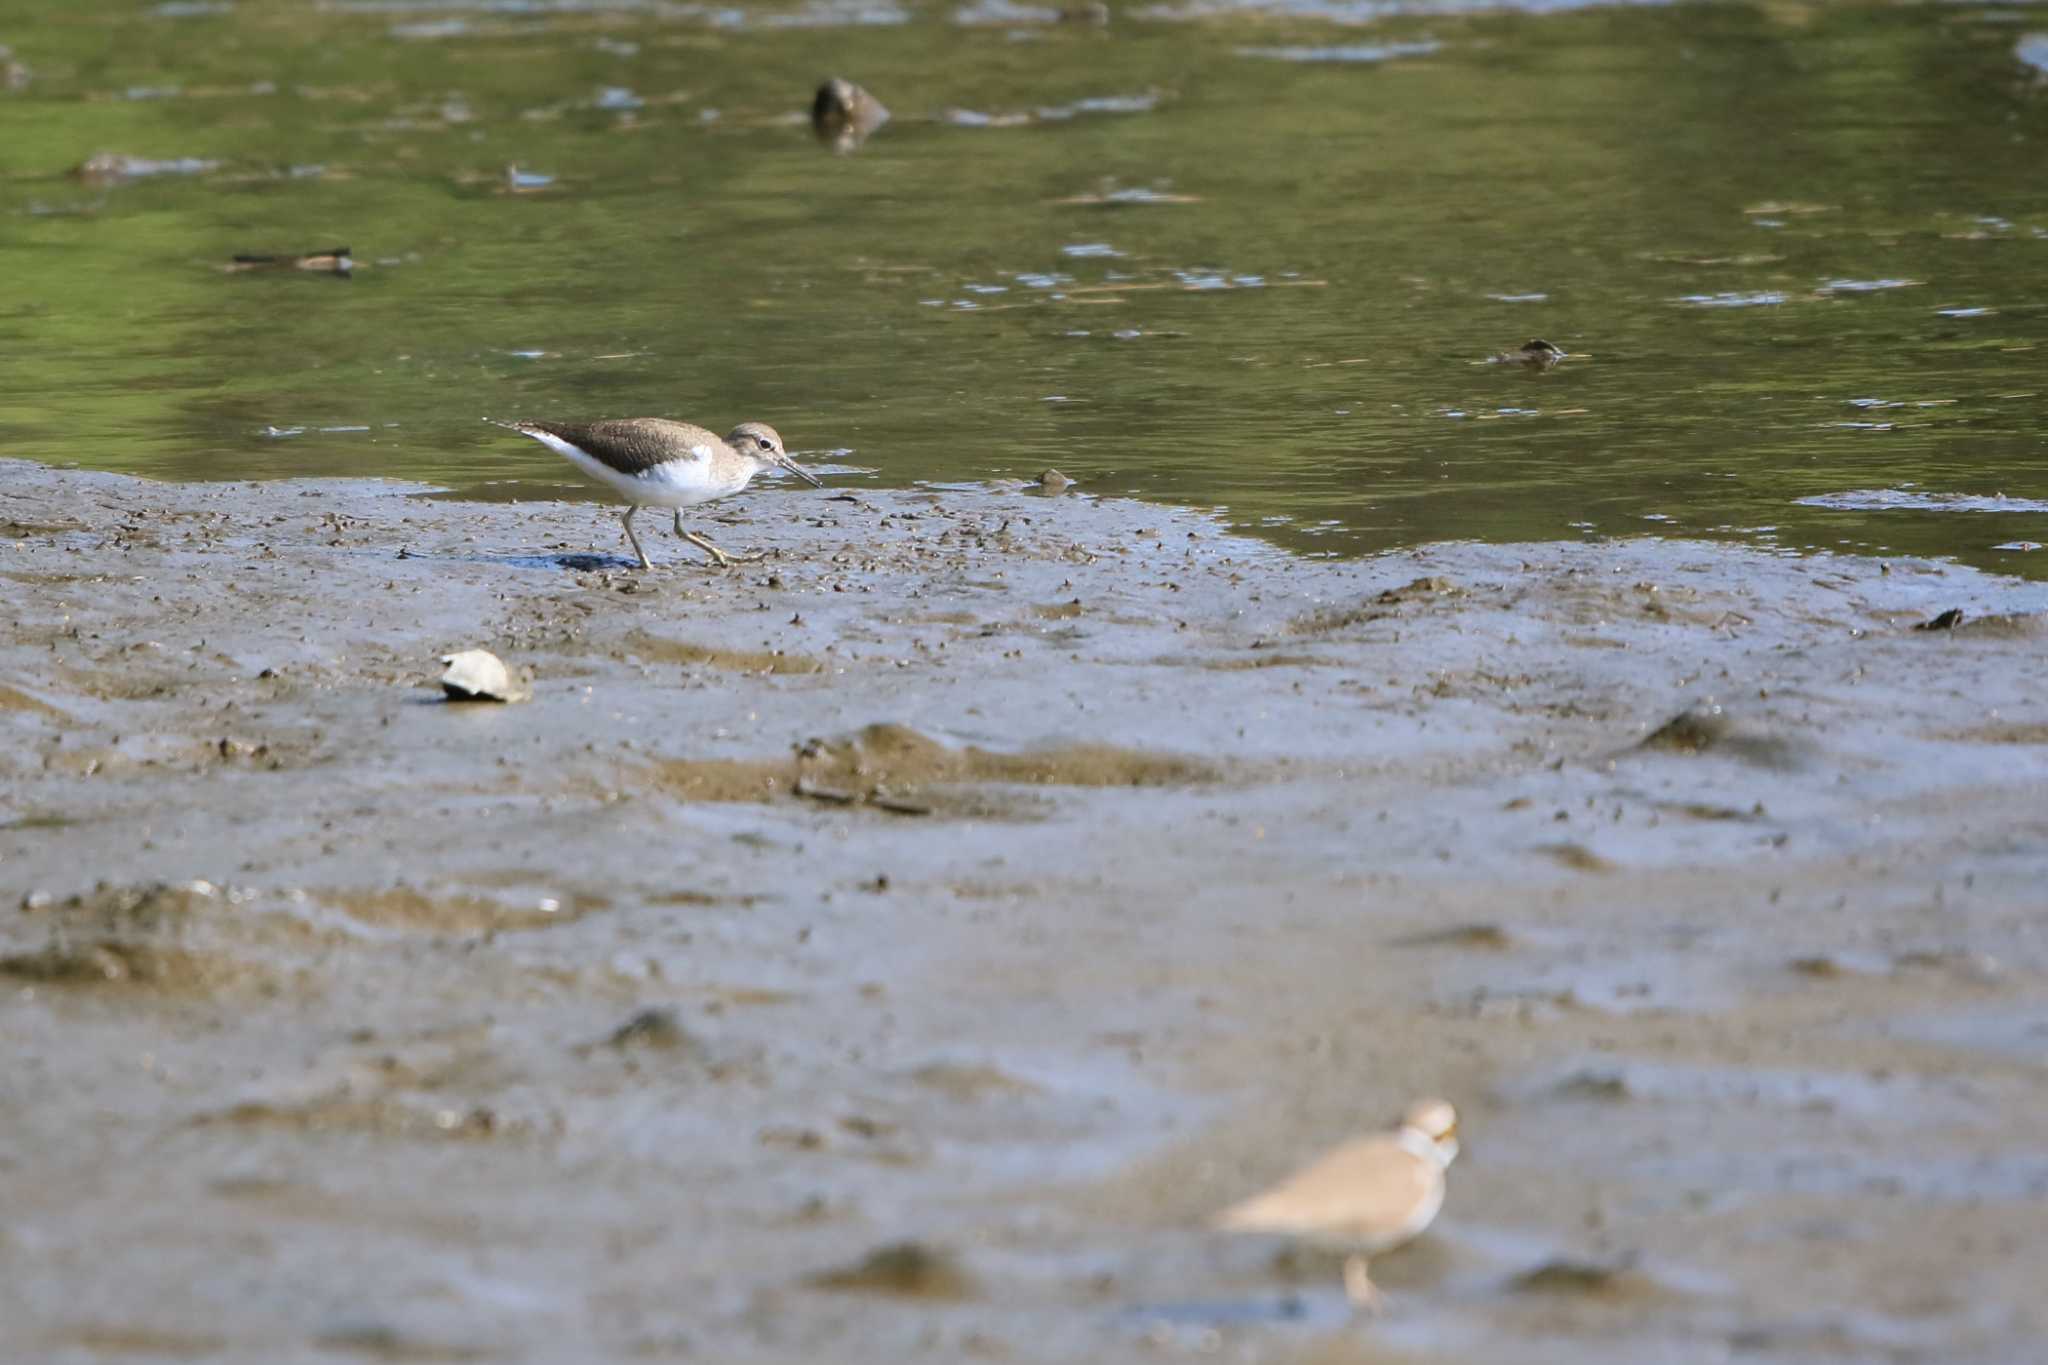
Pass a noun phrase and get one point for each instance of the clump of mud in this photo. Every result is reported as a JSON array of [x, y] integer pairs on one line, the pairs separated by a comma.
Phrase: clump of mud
[[409, 907], [1382, 605], [660, 649], [385, 1116], [1616, 1280], [895, 767], [651, 1030], [129, 936], [911, 1270], [1690, 732], [1700, 730]]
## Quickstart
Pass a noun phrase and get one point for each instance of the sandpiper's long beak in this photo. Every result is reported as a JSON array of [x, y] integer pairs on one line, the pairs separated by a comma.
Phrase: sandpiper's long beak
[[806, 475]]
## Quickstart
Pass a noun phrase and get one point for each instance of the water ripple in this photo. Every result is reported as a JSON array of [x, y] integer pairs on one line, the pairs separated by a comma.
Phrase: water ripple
[[1911, 499]]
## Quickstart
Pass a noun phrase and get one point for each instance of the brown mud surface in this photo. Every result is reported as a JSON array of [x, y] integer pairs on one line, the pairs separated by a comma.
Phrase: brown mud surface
[[896, 947]]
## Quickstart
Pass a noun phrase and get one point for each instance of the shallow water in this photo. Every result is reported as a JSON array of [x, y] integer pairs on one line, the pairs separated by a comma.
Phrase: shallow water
[[1233, 254]]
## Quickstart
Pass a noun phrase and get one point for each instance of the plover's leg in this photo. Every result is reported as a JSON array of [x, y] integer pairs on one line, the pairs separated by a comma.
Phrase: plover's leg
[[645, 562], [718, 556], [1365, 1296]]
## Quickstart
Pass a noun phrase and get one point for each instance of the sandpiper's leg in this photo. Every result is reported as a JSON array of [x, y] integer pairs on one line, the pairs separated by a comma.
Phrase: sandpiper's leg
[[645, 562], [1365, 1296], [720, 557]]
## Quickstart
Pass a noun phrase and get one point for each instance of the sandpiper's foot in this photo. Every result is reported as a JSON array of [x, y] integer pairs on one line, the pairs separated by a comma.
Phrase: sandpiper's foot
[[718, 556], [1365, 1296]]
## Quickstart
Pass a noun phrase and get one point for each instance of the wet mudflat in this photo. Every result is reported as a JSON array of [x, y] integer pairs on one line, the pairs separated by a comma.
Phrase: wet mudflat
[[898, 946]]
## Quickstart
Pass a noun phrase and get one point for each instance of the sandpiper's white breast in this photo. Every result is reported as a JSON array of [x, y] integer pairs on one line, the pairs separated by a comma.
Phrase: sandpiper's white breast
[[691, 477]]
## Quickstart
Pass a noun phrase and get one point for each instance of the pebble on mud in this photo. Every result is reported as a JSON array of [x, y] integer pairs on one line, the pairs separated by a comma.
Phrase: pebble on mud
[[1948, 620], [844, 115], [1052, 481], [479, 675]]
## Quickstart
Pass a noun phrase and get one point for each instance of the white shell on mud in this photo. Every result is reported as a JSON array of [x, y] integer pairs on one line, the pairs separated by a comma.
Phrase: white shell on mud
[[479, 675]]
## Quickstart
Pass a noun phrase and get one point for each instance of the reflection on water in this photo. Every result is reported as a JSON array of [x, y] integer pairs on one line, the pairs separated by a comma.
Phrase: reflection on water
[[1215, 251]]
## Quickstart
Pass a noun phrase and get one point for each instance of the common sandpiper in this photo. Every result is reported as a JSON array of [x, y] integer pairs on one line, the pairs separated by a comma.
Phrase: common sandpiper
[[654, 462]]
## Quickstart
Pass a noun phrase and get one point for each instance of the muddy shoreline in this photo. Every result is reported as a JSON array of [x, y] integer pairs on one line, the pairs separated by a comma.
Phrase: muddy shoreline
[[1020, 877]]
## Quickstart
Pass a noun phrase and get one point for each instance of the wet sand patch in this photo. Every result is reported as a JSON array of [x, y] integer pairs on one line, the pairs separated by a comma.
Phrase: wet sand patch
[[660, 649], [444, 912], [13, 699], [887, 760]]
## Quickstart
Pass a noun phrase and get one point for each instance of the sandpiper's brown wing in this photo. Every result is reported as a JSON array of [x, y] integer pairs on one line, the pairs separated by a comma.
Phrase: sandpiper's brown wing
[[634, 445], [1371, 1193]]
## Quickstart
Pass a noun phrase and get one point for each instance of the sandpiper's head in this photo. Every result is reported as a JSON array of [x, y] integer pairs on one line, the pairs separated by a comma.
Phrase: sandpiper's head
[[760, 441], [1435, 1121]]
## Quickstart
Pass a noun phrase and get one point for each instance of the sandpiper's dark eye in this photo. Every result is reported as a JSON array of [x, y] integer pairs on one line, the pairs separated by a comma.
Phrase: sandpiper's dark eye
[[765, 443]]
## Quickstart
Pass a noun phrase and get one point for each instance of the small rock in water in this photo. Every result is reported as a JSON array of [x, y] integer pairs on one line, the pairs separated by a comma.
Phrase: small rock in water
[[111, 167], [1052, 481], [526, 182], [844, 115], [479, 675], [335, 261], [1536, 354]]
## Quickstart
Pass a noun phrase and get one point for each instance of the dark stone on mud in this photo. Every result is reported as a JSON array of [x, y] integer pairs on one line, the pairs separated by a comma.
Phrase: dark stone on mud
[[1700, 729], [1948, 620], [651, 1028]]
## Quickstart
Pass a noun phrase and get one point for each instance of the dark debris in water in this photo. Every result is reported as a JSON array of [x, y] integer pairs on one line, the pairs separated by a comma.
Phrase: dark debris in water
[[1534, 354], [333, 261], [844, 115]]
